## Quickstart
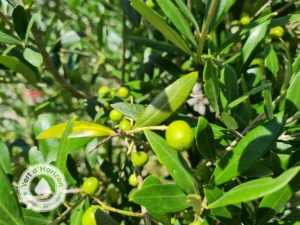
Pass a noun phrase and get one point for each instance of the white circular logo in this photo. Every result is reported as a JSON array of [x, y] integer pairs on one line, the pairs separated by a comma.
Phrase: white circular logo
[[48, 196]]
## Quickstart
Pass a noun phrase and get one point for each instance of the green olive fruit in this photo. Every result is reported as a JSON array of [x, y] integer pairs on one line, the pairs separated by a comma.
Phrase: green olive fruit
[[133, 181], [123, 92], [179, 135], [245, 20], [103, 91], [88, 217], [90, 185], [115, 115], [125, 125], [139, 158], [276, 32]]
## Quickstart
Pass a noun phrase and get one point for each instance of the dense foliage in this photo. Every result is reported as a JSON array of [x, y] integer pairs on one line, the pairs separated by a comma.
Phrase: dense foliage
[[156, 111]]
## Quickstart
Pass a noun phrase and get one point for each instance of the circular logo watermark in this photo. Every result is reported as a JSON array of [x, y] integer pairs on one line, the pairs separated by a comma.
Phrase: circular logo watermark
[[47, 196]]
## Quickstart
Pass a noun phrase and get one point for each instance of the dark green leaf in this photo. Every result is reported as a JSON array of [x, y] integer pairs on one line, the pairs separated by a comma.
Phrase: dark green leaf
[[284, 20], [268, 105], [222, 8], [132, 15], [228, 85], [255, 189], [296, 64], [16, 65], [10, 210], [161, 198], [292, 104], [211, 85], [4, 158], [131, 110], [157, 45], [20, 21], [273, 203], [258, 171], [212, 193], [174, 15], [257, 34], [168, 101], [205, 139], [248, 150], [103, 219], [34, 218], [173, 161], [244, 97], [156, 21]]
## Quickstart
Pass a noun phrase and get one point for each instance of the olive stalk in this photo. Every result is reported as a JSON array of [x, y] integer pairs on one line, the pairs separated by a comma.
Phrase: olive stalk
[[112, 209]]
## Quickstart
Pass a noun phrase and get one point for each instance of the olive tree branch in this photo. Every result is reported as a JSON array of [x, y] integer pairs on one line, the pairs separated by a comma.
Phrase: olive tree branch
[[51, 68], [119, 211], [203, 37]]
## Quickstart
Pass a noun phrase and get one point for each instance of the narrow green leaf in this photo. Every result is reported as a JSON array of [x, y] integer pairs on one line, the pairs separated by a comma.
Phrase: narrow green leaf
[[296, 64], [159, 216], [271, 60], [131, 14], [63, 150], [16, 65], [258, 171], [77, 213], [205, 139], [211, 85], [284, 20], [33, 57], [248, 150], [156, 21], [255, 189], [292, 104], [157, 45], [161, 198], [257, 34], [35, 156], [5, 158], [80, 129], [244, 97], [273, 203], [212, 193], [174, 15], [173, 161], [222, 8], [8, 39], [168, 101], [287, 64], [29, 27], [20, 21], [187, 13], [104, 219], [268, 105], [229, 121], [34, 218], [10, 210], [131, 110]]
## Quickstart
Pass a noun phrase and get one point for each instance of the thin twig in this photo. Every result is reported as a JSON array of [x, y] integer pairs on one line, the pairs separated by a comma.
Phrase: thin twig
[[65, 213], [266, 5], [112, 209], [203, 37]]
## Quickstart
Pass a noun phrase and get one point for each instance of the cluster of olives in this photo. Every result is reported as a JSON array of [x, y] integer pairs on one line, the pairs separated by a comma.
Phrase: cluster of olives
[[275, 32]]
